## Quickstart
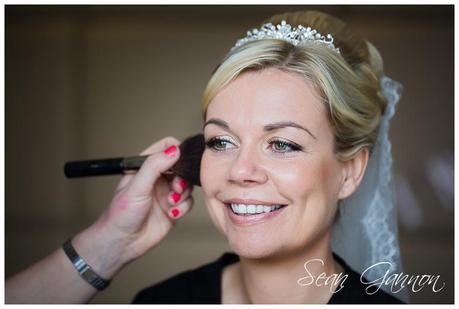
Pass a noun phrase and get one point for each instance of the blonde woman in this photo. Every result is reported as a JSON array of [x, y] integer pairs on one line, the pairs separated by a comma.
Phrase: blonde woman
[[292, 117]]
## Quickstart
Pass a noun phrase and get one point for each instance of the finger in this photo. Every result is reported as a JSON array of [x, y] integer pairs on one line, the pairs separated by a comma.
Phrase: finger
[[174, 197], [168, 198], [155, 147], [157, 163], [179, 185], [160, 145], [181, 209]]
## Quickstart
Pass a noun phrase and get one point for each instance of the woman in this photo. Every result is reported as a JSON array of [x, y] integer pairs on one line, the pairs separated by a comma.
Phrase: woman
[[291, 117]]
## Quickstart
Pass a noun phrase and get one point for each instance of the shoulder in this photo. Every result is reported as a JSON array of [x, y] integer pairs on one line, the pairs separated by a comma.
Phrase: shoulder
[[354, 290], [197, 286]]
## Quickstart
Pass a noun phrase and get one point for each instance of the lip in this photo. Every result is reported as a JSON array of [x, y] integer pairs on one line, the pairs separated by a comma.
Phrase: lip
[[250, 202], [253, 219]]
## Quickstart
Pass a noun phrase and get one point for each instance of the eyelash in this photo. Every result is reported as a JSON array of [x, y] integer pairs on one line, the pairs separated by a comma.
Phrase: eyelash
[[293, 146], [211, 144], [213, 141]]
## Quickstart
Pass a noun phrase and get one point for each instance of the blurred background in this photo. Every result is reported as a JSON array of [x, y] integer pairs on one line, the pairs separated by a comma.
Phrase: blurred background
[[104, 81]]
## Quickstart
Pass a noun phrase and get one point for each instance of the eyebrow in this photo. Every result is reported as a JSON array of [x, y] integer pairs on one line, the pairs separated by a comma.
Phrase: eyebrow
[[268, 127], [285, 124]]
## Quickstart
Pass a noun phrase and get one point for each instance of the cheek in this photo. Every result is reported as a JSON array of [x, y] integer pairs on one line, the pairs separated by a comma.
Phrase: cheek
[[291, 182], [318, 194], [311, 187], [211, 174], [212, 179], [312, 179], [297, 179]]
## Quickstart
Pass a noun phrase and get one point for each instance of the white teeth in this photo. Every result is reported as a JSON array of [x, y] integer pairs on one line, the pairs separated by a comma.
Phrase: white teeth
[[253, 209]]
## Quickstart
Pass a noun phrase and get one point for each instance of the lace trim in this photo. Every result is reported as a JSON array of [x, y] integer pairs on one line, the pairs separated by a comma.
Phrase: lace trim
[[383, 239], [366, 230]]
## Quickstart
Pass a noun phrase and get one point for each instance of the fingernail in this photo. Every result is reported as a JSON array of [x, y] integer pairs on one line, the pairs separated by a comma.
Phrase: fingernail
[[175, 212], [175, 197], [182, 184], [171, 151]]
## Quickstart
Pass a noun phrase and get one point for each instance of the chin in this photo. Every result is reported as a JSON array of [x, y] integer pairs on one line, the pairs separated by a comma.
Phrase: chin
[[254, 246]]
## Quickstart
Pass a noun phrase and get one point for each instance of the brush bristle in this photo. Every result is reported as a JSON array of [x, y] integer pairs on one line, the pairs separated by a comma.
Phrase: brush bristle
[[189, 164]]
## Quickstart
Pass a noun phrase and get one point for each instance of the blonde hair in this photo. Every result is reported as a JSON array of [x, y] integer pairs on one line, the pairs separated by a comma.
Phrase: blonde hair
[[348, 83]]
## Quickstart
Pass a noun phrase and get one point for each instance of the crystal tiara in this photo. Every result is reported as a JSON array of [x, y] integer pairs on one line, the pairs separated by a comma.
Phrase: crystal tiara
[[285, 32]]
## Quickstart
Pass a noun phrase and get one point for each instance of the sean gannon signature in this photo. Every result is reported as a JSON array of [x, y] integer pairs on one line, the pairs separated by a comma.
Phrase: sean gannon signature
[[396, 281]]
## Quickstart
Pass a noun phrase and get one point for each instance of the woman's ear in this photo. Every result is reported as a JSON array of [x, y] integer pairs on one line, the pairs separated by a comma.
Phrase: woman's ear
[[354, 170]]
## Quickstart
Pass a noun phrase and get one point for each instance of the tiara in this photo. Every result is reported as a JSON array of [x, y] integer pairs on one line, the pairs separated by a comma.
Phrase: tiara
[[285, 32]]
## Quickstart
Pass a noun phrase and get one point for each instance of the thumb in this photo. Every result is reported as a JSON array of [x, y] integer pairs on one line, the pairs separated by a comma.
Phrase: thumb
[[151, 170]]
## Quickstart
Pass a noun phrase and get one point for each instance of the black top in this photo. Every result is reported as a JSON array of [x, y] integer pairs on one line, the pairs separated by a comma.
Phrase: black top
[[203, 286]]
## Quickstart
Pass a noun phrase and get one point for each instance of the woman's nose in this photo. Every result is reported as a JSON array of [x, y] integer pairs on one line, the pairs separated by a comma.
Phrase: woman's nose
[[246, 168]]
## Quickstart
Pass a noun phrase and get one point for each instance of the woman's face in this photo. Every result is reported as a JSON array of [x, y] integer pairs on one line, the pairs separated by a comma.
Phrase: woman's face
[[270, 144]]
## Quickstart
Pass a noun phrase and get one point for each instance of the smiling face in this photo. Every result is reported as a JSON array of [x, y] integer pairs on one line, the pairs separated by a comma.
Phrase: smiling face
[[269, 143]]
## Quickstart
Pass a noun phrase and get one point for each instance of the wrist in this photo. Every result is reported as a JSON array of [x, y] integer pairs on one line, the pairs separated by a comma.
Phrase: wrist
[[84, 270], [102, 251]]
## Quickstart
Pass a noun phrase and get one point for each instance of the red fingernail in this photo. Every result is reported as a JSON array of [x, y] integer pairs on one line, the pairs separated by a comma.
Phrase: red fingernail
[[175, 197], [170, 152], [175, 212], [182, 184]]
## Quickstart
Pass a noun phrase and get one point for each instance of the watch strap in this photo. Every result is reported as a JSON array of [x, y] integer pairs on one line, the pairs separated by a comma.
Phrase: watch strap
[[85, 271]]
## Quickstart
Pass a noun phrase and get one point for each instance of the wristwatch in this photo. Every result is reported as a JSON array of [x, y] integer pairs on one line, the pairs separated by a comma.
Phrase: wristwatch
[[85, 271]]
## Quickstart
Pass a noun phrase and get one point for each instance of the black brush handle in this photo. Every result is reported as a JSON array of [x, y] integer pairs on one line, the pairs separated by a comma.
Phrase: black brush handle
[[93, 167], [188, 166]]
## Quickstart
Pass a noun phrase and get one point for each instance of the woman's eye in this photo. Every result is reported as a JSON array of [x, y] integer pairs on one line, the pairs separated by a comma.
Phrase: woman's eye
[[218, 144], [283, 146]]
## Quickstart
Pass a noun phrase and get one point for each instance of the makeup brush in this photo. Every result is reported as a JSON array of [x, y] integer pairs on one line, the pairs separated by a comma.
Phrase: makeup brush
[[188, 166]]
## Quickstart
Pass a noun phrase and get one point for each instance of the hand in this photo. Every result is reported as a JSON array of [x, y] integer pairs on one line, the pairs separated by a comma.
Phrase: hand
[[143, 210]]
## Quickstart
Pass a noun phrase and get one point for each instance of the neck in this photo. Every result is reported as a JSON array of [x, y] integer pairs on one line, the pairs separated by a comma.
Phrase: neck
[[285, 279]]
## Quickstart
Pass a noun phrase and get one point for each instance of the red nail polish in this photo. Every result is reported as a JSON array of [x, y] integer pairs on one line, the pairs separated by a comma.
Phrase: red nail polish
[[171, 151], [175, 197], [175, 212], [182, 184]]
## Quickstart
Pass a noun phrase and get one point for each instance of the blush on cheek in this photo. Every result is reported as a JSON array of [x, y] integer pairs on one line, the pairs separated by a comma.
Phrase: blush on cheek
[[297, 180]]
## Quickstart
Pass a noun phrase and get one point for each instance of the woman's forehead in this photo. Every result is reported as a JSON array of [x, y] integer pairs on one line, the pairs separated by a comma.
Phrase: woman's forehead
[[268, 95]]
